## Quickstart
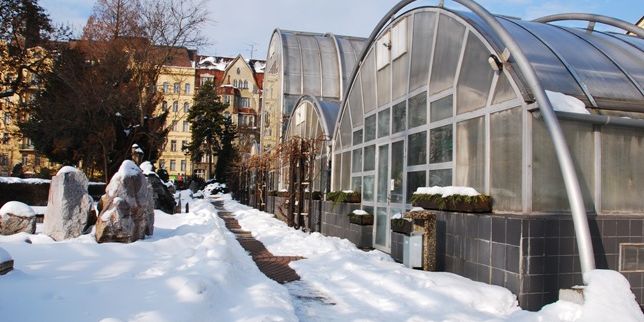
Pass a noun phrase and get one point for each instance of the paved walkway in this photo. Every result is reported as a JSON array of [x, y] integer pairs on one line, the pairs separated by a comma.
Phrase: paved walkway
[[274, 267]]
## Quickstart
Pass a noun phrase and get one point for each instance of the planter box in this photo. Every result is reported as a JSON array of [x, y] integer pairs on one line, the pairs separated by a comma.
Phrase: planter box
[[337, 197], [402, 226], [451, 204], [362, 220]]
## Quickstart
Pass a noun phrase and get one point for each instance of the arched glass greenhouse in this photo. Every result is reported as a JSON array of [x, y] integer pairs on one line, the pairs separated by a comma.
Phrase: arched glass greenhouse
[[440, 98]]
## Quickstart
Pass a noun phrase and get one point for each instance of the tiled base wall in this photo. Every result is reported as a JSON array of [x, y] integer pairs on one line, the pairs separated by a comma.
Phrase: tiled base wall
[[532, 256], [335, 222]]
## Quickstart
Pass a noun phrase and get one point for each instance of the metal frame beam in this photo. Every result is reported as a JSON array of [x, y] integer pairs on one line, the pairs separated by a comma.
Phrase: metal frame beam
[[593, 18]]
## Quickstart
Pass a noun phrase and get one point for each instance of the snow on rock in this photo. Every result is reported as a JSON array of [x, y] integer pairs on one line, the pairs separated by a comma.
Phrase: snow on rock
[[192, 269], [147, 168], [69, 206], [566, 103], [4, 255], [16, 217], [66, 169], [447, 191], [127, 208]]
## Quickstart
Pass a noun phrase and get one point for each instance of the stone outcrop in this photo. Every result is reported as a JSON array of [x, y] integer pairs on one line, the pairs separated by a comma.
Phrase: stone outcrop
[[69, 206], [17, 217], [127, 208], [163, 199]]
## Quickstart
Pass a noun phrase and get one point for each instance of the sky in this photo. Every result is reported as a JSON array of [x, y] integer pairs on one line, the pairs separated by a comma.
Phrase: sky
[[245, 26]]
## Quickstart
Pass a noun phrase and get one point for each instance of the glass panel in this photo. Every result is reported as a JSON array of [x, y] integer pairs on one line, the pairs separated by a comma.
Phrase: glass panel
[[505, 158], [346, 129], [415, 179], [384, 85], [381, 227], [337, 166], [383, 177], [367, 188], [503, 91], [356, 184], [346, 170], [400, 76], [383, 123], [370, 128], [292, 65], [418, 110], [440, 144], [475, 77], [397, 163], [330, 67], [441, 109], [470, 154], [368, 74], [421, 51], [356, 161], [355, 101], [398, 118], [441, 178], [369, 158], [549, 192], [311, 65], [357, 137], [622, 170], [417, 147], [447, 53]]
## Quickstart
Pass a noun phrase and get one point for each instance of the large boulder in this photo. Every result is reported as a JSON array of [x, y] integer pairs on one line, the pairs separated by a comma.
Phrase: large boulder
[[69, 207], [17, 217], [127, 208], [163, 198]]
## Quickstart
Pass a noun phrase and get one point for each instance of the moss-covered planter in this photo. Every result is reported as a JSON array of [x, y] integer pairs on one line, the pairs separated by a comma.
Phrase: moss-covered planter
[[362, 220], [315, 195], [341, 196], [272, 193], [457, 203], [402, 226]]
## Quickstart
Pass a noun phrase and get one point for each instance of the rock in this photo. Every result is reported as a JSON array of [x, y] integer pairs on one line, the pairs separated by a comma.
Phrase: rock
[[6, 262], [163, 198], [127, 208], [69, 205], [17, 217]]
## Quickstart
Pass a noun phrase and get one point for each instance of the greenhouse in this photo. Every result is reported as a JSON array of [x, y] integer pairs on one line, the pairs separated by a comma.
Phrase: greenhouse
[[303, 63], [443, 97]]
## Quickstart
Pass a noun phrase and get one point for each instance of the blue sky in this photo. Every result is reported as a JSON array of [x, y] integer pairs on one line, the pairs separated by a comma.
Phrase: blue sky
[[237, 25]]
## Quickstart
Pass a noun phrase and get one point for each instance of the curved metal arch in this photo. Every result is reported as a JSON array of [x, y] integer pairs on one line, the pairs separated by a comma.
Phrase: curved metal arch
[[326, 127], [592, 18], [571, 181]]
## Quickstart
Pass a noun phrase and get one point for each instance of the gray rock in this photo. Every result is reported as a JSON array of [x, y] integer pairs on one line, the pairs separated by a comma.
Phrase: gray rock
[[163, 198], [127, 208], [69, 205], [17, 217]]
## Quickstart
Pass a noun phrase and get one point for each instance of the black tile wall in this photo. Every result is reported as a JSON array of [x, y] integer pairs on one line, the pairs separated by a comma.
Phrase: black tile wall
[[533, 256]]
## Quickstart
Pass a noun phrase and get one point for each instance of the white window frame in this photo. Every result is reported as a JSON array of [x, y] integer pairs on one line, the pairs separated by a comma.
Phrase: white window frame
[[383, 51]]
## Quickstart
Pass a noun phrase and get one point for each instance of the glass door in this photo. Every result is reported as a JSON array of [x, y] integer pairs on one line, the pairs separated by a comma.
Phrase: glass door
[[381, 224]]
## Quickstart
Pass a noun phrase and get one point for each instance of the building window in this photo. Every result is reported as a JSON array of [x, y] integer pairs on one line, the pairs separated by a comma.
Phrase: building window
[[238, 71], [235, 83], [25, 159], [246, 84], [226, 99], [161, 164], [183, 166], [173, 165], [399, 39], [177, 88], [207, 79], [175, 126], [164, 106], [173, 146], [186, 107], [7, 118], [187, 88], [184, 145], [175, 106], [186, 126], [166, 87]]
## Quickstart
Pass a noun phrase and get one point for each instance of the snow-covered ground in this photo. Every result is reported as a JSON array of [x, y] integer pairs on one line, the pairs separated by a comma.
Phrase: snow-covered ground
[[353, 285], [192, 269]]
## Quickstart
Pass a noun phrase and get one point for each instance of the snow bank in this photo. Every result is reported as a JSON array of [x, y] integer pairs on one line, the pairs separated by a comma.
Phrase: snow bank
[[192, 269], [4, 256], [566, 103], [66, 169], [608, 297], [447, 191], [16, 208], [18, 180]]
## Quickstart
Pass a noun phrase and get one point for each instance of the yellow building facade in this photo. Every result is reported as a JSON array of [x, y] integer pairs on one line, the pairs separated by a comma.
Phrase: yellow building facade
[[176, 84]]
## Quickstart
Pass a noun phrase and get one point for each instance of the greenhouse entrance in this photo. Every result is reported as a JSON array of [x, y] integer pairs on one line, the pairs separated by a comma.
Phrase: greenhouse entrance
[[389, 192]]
